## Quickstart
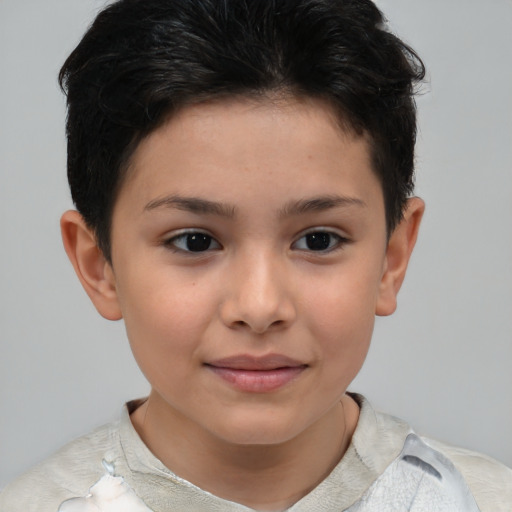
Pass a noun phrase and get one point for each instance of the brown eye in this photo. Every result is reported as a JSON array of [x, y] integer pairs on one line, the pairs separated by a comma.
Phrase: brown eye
[[194, 241], [198, 242], [319, 241]]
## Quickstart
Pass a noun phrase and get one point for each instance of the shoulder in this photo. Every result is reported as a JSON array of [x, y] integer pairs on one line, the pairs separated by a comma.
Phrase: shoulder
[[380, 438], [489, 480], [61, 477]]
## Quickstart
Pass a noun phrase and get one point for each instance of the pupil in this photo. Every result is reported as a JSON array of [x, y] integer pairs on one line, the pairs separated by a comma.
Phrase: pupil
[[198, 242], [318, 241]]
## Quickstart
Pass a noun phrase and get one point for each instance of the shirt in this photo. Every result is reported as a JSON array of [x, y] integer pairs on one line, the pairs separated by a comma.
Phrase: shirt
[[387, 467]]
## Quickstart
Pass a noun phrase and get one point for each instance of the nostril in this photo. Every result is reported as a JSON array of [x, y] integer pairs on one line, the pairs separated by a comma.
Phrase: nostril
[[260, 329], [240, 323]]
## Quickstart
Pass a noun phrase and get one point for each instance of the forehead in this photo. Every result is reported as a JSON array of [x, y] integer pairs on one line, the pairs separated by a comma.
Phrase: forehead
[[235, 148]]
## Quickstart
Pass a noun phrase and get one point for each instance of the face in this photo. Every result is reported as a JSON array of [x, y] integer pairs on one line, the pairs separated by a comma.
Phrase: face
[[248, 250]]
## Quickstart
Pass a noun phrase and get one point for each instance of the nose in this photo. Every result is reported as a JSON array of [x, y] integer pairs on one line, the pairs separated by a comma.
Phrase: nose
[[259, 295]]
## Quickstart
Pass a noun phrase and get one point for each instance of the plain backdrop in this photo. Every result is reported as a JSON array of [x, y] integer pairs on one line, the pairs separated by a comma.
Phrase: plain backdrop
[[442, 362]]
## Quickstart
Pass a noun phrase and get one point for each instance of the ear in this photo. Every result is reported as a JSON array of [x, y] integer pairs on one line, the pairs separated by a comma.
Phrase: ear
[[91, 267], [398, 253]]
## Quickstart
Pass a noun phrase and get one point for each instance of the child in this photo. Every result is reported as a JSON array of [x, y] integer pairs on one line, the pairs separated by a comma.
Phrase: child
[[243, 173]]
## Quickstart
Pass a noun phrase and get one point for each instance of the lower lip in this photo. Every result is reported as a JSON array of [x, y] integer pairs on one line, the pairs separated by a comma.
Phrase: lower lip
[[258, 381]]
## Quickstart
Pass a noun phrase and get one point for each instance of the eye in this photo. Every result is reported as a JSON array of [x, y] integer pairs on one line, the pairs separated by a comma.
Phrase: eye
[[319, 241], [193, 241]]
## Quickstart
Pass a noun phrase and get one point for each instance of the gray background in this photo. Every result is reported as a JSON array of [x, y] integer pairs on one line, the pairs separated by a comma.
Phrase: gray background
[[442, 361]]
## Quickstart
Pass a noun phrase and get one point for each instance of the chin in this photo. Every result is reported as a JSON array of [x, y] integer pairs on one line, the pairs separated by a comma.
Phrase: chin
[[259, 430]]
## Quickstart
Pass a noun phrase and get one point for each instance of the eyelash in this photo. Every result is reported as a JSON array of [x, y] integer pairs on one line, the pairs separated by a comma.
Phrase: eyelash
[[183, 236], [205, 240], [339, 241]]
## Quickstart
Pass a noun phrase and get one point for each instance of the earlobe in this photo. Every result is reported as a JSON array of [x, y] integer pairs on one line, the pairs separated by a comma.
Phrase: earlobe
[[398, 253], [91, 267]]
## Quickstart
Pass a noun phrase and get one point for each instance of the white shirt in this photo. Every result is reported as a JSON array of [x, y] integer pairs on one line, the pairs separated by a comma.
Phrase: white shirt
[[387, 467]]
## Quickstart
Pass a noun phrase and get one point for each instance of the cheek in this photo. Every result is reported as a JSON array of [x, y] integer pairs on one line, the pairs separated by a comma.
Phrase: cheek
[[344, 340], [344, 300], [165, 316], [341, 318]]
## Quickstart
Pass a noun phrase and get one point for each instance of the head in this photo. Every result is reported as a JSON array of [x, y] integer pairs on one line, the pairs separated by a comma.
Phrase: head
[[242, 173], [142, 61]]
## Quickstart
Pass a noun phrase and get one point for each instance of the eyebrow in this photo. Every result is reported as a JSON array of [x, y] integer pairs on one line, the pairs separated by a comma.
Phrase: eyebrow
[[293, 208], [192, 204], [319, 204]]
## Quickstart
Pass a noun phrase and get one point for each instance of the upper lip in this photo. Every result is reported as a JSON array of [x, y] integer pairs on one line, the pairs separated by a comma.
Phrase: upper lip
[[249, 362]]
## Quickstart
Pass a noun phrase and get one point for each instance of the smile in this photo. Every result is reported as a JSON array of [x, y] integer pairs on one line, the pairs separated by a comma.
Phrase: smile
[[257, 374]]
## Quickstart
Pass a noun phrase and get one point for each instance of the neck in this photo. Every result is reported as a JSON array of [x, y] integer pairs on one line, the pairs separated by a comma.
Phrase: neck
[[263, 477]]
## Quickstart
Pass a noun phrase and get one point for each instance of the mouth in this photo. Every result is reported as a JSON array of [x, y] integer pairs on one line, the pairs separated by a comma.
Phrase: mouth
[[257, 374]]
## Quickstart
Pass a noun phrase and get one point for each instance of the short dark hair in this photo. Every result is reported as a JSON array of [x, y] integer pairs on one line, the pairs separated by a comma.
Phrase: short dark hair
[[141, 60]]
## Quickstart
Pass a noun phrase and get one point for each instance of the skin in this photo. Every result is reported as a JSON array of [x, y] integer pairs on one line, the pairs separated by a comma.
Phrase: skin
[[276, 171]]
